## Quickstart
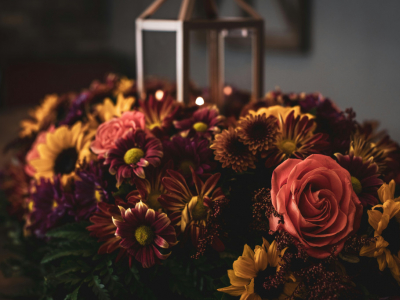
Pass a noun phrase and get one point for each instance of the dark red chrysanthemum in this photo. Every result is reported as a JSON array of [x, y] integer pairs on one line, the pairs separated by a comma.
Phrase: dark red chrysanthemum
[[203, 123], [186, 153], [132, 153], [258, 132], [296, 139], [191, 212], [231, 152], [143, 232], [364, 177]]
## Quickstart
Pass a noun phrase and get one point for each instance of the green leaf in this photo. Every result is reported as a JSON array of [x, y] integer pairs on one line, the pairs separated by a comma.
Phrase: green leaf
[[98, 289], [73, 295], [71, 231], [66, 252]]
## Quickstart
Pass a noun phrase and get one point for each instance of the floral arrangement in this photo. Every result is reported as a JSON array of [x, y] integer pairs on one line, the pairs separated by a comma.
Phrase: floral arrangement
[[110, 197]]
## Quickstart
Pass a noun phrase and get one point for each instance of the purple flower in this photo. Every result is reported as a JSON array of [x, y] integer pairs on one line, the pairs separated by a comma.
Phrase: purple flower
[[186, 153], [203, 123], [47, 206], [132, 153]]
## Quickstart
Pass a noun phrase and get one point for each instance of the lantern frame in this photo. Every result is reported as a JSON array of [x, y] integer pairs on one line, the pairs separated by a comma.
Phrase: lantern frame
[[217, 29]]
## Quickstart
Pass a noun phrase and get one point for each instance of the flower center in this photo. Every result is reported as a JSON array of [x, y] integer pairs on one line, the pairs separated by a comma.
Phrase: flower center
[[258, 130], [55, 204], [199, 212], [288, 147], [152, 200], [98, 195], [154, 125], [144, 235], [132, 156], [357, 186], [31, 205], [185, 167], [391, 234], [262, 277], [200, 126], [66, 161]]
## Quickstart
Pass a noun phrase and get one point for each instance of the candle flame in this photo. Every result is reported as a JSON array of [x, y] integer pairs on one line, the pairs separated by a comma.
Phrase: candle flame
[[199, 101], [159, 95]]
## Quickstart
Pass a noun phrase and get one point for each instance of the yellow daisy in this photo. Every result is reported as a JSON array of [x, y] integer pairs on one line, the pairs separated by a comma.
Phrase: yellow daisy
[[251, 269], [107, 110], [385, 219], [64, 150], [124, 85], [42, 115], [279, 111]]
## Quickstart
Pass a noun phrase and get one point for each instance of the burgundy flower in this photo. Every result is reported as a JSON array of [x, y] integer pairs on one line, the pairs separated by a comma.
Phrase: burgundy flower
[[48, 206], [143, 232], [364, 177], [132, 153], [186, 153], [204, 123]]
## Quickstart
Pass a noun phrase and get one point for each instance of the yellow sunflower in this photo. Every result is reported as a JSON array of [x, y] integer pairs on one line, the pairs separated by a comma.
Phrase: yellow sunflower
[[251, 269], [42, 115], [385, 219], [107, 110], [278, 111], [63, 151]]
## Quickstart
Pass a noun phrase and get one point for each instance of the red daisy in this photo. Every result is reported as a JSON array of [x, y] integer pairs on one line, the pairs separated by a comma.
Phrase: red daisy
[[143, 231], [364, 177], [132, 153]]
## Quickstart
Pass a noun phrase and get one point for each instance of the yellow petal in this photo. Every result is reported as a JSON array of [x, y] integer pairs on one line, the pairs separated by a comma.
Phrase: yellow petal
[[248, 252], [244, 267], [260, 259], [374, 216], [382, 262], [266, 244], [233, 290], [237, 281], [273, 255]]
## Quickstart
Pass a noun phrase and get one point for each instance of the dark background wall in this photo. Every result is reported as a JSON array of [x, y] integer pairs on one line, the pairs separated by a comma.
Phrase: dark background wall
[[51, 46]]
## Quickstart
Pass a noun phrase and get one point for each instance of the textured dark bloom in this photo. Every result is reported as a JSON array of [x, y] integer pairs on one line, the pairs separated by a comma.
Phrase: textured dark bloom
[[204, 123], [132, 153], [90, 188], [231, 152], [143, 232], [48, 206], [188, 211], [258, 132], [295, 140], [186, 153], [158, 113], [364, 177], [150, 189], [368, 146]]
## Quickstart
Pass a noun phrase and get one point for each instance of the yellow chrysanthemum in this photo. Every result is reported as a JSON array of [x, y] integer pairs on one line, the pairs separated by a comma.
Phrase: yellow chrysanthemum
[[64, 150], [107, 110], [124, 85], [40, 116], [253, 264], [385, 219], [279, 111]]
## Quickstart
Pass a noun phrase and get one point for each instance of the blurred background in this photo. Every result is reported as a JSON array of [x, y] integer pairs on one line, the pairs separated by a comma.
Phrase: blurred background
[[346, 49]]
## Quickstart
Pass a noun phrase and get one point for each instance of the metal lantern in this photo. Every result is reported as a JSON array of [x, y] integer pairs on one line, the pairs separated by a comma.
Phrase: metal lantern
[[217, 30]]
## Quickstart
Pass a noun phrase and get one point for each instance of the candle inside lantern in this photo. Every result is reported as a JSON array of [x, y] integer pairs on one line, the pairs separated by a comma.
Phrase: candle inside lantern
[[199, 101], [159, 95]]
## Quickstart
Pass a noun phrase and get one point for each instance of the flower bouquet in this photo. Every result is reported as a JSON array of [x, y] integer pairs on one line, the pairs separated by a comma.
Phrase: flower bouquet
[[109, 197]]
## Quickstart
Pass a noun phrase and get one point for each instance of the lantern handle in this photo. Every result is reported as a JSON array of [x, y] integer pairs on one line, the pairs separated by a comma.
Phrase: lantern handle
[[247, 8], [151, 9]]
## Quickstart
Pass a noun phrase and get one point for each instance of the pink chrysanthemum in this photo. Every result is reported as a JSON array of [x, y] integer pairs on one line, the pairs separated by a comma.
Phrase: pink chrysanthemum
[[204, 123], [143, 232], [132, 154]]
